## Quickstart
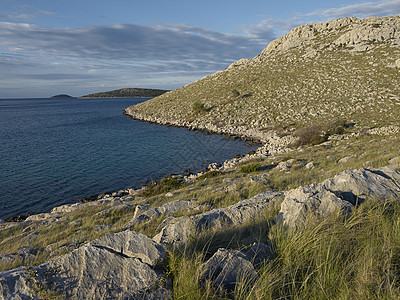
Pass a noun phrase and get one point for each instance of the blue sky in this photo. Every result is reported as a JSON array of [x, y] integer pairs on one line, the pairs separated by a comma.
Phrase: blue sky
[[49, 47]]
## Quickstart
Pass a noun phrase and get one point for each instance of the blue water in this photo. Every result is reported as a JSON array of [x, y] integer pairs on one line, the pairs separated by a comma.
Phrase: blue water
[[57, 151]]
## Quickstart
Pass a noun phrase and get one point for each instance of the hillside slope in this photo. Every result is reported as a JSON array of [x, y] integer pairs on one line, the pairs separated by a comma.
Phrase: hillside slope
[[345, 69]]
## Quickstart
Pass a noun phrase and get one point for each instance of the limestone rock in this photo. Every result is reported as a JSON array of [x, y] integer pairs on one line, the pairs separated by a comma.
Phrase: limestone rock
[[72, 207], [181, 229], [89, 272], [344, 160], [385, 130], [142, 213], [226, 267], [15, 284], [39, 217], [140, 209], [340, 193], [259, 253], [134, 245], [395, 162], [97, 273], [24, 254], [310, 165], [285, 165]]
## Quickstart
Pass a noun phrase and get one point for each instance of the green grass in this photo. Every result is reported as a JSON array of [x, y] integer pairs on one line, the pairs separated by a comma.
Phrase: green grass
[[185, 265], [357, 258]]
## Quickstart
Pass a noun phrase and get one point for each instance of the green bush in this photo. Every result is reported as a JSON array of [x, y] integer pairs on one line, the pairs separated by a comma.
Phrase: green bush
[[254, 167], [311, 135], [336, 127], [211, 174], [235, 93], [164, 185], [199, 107]]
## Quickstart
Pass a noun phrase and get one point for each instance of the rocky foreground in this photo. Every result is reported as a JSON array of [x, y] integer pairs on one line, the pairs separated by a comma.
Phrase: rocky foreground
[[130, 265]]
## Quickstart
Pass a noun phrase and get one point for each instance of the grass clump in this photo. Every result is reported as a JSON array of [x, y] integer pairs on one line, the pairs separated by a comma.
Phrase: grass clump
[[164, 185], [250, 168], [355, 258], [358, 258]]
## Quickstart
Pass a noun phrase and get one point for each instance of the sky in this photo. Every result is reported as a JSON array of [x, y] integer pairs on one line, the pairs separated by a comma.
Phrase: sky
[[50, 47]]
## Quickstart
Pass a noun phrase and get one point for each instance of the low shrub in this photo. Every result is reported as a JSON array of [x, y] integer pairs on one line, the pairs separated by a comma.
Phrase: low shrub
[[211, 174], [250, 168], [336, 127], [164, 185], [311, 135], [198, 107]]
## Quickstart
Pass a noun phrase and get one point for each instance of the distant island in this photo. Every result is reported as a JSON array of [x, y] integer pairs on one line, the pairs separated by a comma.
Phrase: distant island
[[127, 92], [62, 96]]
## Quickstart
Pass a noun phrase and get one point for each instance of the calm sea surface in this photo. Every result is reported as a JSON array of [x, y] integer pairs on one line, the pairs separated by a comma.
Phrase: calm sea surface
[[57, 151]]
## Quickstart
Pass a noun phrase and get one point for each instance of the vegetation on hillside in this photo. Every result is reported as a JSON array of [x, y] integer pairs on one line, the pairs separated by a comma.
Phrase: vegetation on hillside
[[128, 92], [313, 82], [357, 258]]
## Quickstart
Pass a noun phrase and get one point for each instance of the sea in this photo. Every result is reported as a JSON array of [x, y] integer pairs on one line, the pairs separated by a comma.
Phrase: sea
[[56, 151]]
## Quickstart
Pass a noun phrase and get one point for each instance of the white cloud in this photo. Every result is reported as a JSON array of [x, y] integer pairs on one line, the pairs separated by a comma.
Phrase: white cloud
[[163, 55], [25, 16], [133, 42], [122, 55], [364, 9], [361, 10]]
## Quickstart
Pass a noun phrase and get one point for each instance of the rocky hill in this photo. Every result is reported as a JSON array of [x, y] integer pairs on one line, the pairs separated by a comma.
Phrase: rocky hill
[[345, 69], [128, 92], [314, 213]]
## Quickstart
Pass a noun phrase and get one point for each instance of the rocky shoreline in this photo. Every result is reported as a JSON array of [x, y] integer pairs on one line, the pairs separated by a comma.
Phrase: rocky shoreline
[[274, 145], [253, 135]]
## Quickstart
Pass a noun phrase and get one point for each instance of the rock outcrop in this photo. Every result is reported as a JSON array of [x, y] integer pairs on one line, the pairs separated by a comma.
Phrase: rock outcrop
[[227, 267], [180, 230], [347, 32], [116, 266], [341, 193], [132, 244], [144, 213]]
